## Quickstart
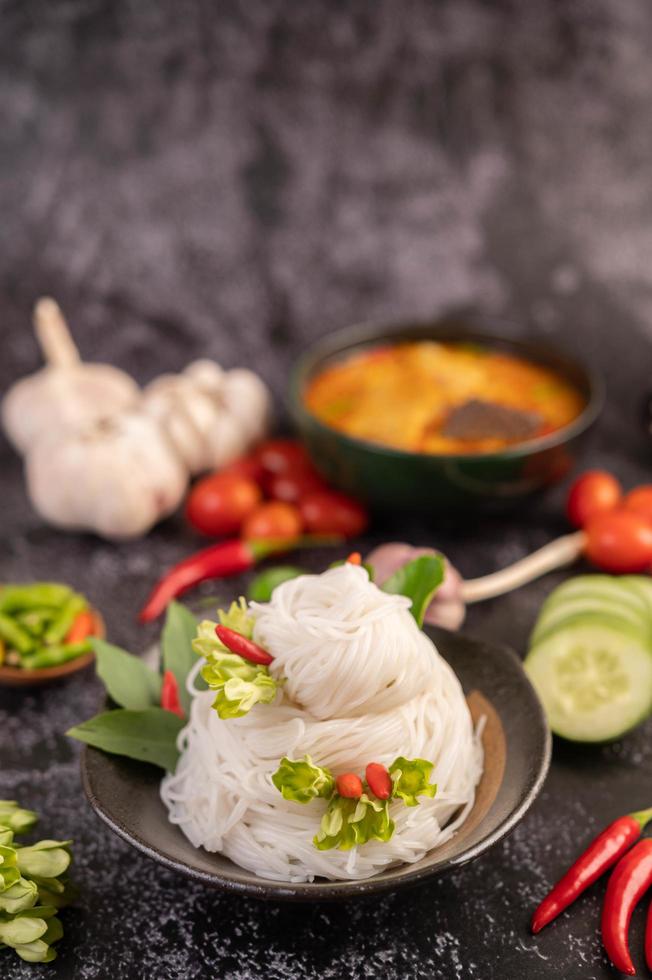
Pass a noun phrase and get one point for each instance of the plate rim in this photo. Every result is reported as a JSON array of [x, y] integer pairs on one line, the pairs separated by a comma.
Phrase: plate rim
[[339, 890]]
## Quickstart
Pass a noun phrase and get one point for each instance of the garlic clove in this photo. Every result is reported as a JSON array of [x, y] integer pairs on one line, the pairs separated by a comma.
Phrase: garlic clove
[[246, 397], [207, 375], [225, 442], [117, 477], [166, 405]]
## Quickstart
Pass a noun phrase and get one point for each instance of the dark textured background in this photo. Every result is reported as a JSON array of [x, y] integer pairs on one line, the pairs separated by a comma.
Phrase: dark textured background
[[231, 180]]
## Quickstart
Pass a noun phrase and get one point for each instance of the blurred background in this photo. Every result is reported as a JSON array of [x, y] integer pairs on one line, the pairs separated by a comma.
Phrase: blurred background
[[235, 179]]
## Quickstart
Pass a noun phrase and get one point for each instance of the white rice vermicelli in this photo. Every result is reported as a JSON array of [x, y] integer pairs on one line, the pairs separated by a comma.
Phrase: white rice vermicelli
[[363, 684]]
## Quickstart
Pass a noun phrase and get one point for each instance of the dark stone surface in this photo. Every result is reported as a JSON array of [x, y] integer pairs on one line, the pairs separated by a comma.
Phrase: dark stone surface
[[191, 178]]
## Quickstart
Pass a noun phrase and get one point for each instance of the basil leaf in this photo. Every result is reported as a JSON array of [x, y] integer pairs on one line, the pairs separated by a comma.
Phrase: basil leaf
[[127, 679], [149, 736], [418, 580], [176, 643]]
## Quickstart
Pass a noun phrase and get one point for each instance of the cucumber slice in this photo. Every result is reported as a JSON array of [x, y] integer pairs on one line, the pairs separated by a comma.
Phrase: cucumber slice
[[594, 679], [599, 587], [542, 632], [639, 586], [560, 613]]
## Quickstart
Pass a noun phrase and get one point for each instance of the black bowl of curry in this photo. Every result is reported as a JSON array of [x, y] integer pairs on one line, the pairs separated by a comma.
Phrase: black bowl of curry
[[445, 414]]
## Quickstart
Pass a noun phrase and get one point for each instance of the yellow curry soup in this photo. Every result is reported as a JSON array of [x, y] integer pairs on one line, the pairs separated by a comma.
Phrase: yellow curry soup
[[441, 398]]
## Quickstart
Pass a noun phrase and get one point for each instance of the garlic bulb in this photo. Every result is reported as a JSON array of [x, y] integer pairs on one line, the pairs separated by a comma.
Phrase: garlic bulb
[[103, 456], [66, 392], [212, 416], [117, 477]]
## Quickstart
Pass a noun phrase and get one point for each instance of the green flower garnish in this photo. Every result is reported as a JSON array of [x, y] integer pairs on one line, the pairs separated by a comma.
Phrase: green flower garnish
[[238, 618], [15, 818], [9, 873], [46, 860], [20, 896], [348, 823], [31, 887], [302, 780], [410, 778], [239, 684]]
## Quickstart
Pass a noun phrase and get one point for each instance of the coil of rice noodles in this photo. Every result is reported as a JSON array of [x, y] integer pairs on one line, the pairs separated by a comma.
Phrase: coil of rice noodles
[[362, 684]]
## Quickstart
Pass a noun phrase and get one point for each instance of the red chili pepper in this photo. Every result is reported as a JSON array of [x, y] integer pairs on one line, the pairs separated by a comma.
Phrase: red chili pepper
[[221, 560], [629, 881], [355, 558], [601, 854], [170, 694], [83, 626], [648, 938], [349, 785], [237, 643], [379, 780]]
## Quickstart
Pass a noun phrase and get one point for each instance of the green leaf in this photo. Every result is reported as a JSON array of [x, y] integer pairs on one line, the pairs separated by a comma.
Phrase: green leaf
[[262, 586], [47, 859], [418, 580], [410, 778], [128, 679], [149, 735], [302, 780], [15, 818], [176, 643]]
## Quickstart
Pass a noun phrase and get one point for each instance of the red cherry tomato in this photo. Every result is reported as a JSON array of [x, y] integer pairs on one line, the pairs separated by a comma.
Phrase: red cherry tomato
[[619, 541], [247, 466], [594, 492], [283, 456], [349, 785], [379, 780], [639, 500], [330, 512], [274, 519], [218, 504], [293, 486]]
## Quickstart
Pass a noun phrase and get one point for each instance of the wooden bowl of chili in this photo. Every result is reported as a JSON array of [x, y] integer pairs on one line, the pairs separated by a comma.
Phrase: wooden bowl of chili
[[47, 642]]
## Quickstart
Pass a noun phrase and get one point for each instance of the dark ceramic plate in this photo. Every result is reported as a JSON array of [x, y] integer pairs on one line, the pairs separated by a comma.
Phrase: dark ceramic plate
[[394, 479], [516, 740]]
